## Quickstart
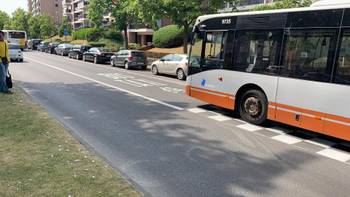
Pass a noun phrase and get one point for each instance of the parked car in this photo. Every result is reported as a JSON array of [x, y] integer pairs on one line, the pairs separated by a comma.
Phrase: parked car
[[63, 49], [15, 52], [51, 48], [33, 44], [77, 51], [43, 46], [129, 59], [173, 64], [98, 55]]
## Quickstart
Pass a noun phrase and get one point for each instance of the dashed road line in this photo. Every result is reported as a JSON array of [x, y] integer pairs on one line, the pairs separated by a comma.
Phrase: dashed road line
[[320, 142], [287, 139], [196, 110], [220, 118], [335, 154], [250, 127]]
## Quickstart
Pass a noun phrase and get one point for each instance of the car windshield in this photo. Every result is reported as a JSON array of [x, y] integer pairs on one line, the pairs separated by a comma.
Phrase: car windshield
[[14, 46], [137, 54]]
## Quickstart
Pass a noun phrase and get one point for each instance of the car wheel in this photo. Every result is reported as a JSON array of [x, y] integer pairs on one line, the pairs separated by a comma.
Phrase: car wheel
[[126, 65], [180, 74], [69, 56], [77, 57], [21, 60], [144, 67], [95, 60], [84, 58], [112, 63], [155, 70], [253, 107]]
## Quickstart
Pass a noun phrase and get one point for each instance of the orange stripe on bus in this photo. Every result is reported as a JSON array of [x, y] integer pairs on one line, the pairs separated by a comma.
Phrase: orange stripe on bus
[[215, 98]]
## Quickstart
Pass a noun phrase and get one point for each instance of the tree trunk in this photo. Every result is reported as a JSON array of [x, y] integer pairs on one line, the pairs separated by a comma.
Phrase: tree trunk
[[126, 37], [185, 38]]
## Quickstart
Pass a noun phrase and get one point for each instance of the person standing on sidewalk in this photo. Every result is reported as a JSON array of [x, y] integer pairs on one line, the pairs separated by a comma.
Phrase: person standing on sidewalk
[[4, 63]]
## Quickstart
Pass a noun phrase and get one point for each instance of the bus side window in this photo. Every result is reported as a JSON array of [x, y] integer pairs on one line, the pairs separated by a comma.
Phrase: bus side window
[[342, 74], [257, 51], [214, 50], [308, 54]]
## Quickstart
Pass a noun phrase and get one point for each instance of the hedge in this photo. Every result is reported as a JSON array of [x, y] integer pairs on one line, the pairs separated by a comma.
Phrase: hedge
[[168, 37]]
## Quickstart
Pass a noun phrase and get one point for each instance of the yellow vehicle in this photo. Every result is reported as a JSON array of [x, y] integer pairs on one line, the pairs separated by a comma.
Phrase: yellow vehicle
[[16, 37]]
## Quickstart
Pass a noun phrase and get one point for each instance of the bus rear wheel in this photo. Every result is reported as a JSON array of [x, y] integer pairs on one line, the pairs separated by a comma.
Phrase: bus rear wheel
[[253, 107]]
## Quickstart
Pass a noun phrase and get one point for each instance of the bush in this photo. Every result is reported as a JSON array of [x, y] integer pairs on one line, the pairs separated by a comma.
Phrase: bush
[[112, 34], [90, 34], [168, 37], [134, 46]]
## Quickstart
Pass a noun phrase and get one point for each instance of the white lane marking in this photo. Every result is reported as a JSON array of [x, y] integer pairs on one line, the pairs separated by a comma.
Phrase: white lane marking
[[278, 131], [159, 78], [110, 86], [335, 154], [287, 139], [196, 110], [220, 118], [249, 127], [321, 142]]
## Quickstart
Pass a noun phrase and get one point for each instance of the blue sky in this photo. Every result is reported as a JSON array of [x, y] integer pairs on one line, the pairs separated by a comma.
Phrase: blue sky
[[11, 5]]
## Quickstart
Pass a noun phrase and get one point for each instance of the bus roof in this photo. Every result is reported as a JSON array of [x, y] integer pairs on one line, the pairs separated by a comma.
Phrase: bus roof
[[206, 17]]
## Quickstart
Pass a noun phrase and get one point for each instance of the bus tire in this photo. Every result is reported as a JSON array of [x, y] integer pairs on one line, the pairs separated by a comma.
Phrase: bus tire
[[253, 107]]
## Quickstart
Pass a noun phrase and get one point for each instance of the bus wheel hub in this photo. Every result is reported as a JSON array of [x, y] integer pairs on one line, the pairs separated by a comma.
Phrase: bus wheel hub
[[252, 106]]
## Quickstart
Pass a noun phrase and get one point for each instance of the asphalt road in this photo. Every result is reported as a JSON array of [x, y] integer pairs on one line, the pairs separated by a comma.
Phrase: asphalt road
[[168, 144]]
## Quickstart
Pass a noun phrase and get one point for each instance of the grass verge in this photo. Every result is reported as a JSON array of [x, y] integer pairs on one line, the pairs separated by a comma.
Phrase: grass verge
[[38, 157]]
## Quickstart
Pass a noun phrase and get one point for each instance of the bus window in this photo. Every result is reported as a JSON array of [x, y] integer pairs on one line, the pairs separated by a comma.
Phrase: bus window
[[196, 50], [342, 74], [307, 54], [257, 52], [214, 50], [17, 35]]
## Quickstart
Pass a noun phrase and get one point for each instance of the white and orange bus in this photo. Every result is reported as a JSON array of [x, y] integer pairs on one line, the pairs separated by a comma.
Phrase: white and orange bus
[[291, 66]]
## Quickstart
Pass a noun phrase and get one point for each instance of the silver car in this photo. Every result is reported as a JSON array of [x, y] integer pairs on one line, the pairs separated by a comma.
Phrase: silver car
[[15, 53], [173, 64]]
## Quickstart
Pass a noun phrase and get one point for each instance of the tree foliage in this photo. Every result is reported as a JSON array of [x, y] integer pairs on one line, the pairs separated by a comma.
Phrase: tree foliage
[[283, 4], [181, 12], [19, 20], [65, 25], [47, 26], [4, 18], [34, 27]]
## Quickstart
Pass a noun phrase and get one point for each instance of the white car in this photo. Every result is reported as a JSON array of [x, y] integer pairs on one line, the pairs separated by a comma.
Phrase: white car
[[15, 53], [173, 64]]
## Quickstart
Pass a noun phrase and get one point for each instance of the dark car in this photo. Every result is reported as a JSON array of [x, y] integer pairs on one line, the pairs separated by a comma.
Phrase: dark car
[[129, 59], [33, 44], [43, 46], [51, 48], [98, 55], [63, 49], [77, 51]]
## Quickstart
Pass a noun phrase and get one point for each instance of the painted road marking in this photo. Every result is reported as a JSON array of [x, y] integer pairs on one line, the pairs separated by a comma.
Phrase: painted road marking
[[196, 110], [249, 127], [110, 86], [320, 142], [278, 131], [335, 154], [220, 118], [287, 139]]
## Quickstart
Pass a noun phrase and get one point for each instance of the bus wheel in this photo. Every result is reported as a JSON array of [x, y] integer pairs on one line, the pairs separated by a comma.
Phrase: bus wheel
[[253, 107]]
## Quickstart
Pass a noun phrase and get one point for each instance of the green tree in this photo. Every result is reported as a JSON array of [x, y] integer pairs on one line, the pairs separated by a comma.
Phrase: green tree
[[283, 4], [34, 27], [4, 18], [65, 25], [47, 26], [19, 20], [182, 12], [121, 10]]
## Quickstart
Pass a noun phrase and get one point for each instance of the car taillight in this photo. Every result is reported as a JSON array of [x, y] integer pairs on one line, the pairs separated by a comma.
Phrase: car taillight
[[130, 58]]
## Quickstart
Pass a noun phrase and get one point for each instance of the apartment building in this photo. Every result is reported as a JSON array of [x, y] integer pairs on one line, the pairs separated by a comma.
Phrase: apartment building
[[76, 12], [50, 7], [245, 5]]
